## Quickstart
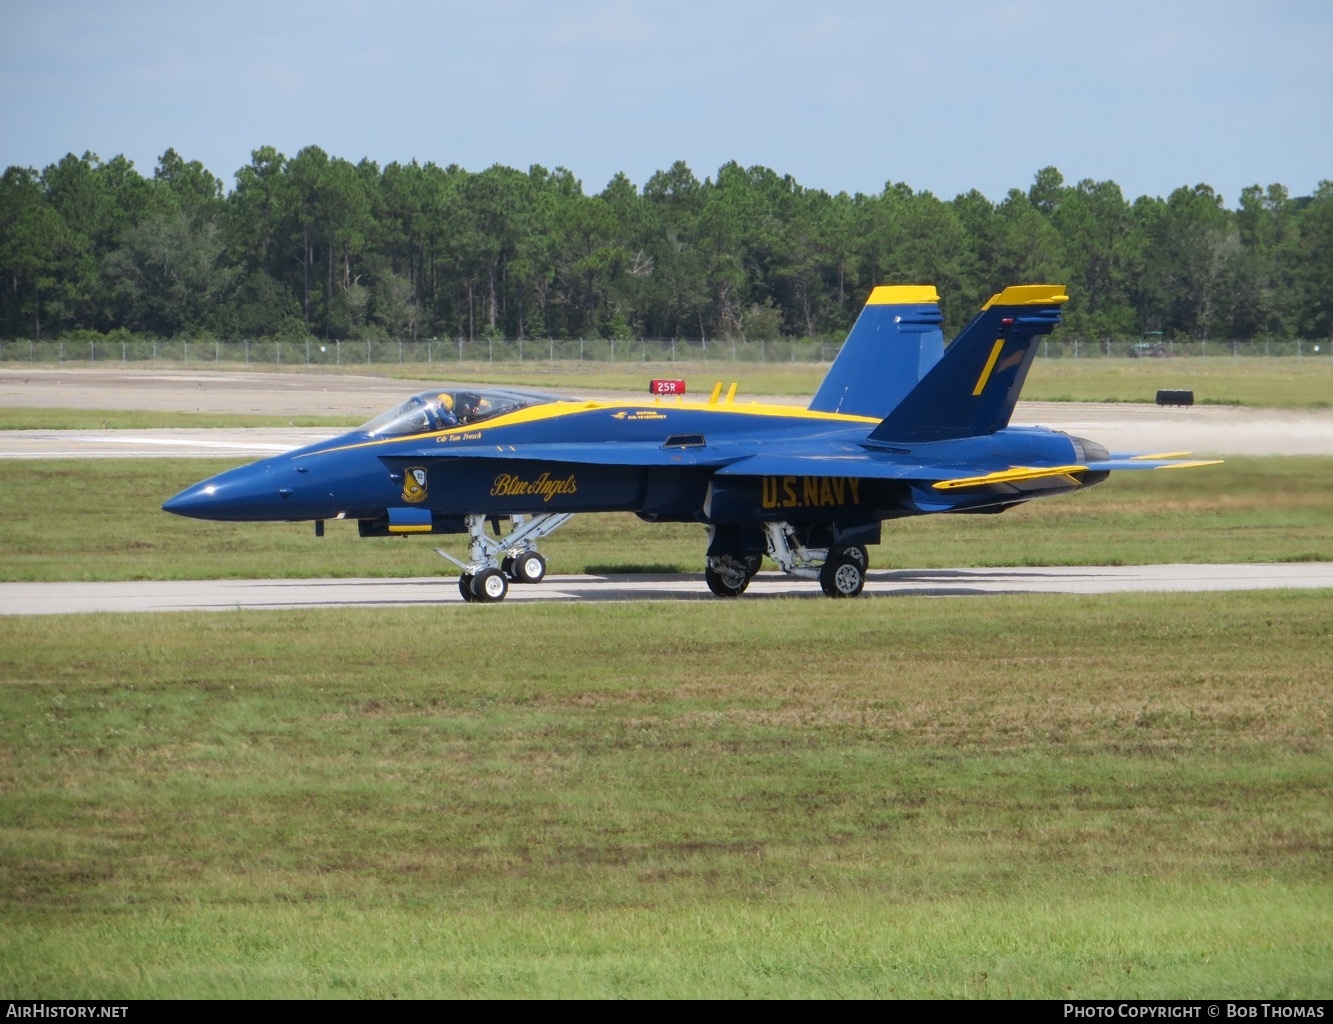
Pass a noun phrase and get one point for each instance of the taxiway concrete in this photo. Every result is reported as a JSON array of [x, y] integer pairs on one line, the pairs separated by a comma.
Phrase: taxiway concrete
[[1206, 430], [224, 595]]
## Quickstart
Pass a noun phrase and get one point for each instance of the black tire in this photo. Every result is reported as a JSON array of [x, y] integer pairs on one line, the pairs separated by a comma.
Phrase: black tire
[[489, 586], [528, 567], [725, 585], [465, 587], [507, 567], [752, 564], [842, 576]]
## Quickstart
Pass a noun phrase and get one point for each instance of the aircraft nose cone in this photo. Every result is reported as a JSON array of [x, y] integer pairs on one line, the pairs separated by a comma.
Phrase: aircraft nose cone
[[248, 493], [193, 501]]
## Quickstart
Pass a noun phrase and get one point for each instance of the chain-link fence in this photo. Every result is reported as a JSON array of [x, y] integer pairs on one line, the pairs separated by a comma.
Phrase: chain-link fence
[[1112, 348], [268, 353]]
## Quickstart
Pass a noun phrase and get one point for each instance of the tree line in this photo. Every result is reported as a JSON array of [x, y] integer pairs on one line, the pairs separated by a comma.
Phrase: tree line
[[314, 245]]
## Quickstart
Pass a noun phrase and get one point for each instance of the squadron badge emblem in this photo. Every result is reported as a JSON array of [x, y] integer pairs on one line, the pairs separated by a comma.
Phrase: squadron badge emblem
[[414, 484]]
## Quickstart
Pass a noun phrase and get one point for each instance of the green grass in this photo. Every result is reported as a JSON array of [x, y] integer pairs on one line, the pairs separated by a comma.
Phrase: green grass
[[1016, 796], [101, 520], [1025, 796], [1270, 382]]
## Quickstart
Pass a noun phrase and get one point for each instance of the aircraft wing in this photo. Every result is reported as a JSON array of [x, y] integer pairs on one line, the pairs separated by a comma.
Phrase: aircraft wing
[[737, 460], [942, 475], [847, 463]]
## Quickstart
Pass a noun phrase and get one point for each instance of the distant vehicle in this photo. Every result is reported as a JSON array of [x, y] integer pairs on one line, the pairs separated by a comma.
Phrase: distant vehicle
[[1142, 349], [901, 426]]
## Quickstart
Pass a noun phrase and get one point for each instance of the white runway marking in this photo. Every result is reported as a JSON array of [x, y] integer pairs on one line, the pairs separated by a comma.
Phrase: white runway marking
[[183, 443], [177, 442]]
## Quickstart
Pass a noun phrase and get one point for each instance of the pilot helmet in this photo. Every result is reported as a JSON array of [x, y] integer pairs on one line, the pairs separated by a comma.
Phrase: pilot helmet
[[447, 402]]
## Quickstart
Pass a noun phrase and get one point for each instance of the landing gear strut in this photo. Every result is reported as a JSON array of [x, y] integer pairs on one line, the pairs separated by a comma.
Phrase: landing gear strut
[[841, 571], [495, 562]]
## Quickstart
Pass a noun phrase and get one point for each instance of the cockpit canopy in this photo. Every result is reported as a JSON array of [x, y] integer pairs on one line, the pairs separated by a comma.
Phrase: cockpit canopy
[[450, 407]]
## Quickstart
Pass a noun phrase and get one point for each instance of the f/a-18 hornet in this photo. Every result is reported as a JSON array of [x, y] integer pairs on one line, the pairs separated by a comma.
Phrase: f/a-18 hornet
[[901, 426]]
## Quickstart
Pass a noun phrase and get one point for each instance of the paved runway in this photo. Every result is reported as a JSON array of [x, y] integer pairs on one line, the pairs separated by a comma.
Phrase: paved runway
[[240, 444], [1127, 427], [223, 595]]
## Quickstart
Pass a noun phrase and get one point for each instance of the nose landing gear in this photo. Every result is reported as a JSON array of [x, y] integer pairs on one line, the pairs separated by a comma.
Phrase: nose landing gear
[[498, 561]]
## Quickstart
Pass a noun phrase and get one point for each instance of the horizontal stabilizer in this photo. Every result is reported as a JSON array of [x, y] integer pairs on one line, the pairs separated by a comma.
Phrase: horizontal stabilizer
[[972, 390], [1118, 462], [893, 344]]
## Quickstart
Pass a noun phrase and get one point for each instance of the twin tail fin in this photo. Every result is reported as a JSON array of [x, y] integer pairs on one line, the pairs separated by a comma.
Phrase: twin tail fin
[[893, 344], [971, 391]]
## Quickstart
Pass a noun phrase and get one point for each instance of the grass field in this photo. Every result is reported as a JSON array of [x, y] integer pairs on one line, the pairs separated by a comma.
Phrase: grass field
[[1044, 797]]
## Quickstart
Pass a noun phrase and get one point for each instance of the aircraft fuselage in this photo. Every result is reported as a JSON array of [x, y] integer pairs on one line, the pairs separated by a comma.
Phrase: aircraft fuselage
[[661, 461]]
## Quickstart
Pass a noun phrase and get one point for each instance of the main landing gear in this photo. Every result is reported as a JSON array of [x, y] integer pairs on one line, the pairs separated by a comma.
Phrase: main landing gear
[[498, 561], [728, 576], [841, 571]]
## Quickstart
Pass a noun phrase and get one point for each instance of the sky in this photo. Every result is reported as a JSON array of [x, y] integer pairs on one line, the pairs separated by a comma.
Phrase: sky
[[843, 95]]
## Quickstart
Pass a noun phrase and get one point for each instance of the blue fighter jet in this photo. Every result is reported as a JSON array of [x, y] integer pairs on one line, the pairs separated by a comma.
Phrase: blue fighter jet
[[901, 426]]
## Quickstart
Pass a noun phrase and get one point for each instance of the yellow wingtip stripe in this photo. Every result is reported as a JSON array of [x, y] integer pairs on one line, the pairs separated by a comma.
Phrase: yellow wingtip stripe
[[1191, 465]]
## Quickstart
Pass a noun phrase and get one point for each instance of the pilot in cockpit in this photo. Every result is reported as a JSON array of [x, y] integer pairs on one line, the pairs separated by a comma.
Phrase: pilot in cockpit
[[472, 407], [446, 411]]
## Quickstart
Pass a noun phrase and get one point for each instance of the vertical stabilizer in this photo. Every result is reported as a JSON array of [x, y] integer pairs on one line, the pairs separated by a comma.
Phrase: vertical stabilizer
[[893, 344], [973, 388]]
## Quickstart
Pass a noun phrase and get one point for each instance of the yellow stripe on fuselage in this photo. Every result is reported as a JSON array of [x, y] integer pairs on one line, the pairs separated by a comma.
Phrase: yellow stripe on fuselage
[[556, 410]]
